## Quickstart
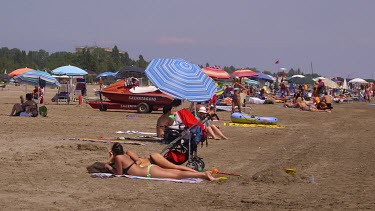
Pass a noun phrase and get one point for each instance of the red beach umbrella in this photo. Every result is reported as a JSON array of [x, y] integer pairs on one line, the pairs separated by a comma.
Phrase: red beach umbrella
[[244, 73], [215, 72]]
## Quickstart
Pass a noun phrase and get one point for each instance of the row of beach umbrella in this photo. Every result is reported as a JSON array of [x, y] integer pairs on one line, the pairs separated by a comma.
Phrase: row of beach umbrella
[[42, 78]]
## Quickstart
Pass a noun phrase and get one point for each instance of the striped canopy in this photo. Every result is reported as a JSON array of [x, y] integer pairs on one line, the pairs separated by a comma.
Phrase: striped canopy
[[32, 77], [216, 73], [244, 73], [181, 79], [69, 70]]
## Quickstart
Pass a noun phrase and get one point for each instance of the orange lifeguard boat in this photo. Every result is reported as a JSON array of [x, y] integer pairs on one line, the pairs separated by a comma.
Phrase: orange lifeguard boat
[[123, 95]]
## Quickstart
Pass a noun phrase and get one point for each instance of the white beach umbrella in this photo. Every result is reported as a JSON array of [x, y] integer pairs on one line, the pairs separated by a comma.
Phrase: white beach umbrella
[[298, 76], [357, 80]]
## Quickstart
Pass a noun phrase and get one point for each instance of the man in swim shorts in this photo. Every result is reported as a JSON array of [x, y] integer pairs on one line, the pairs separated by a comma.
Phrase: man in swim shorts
[[164, 121]]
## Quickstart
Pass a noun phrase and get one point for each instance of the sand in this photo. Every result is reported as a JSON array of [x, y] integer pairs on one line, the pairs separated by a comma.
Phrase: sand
[[333, 154]]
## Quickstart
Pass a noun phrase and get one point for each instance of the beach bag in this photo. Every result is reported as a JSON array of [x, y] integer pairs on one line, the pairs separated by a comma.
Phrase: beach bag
[[176, 157]]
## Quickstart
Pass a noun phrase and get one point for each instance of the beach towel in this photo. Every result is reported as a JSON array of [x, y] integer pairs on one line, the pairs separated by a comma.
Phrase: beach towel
[[135, 132], [112, 141], [185, 180]]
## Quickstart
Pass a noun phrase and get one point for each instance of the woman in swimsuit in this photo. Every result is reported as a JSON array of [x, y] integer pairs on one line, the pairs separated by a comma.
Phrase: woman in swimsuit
[[157, 159], [124, 164], [238, 88]]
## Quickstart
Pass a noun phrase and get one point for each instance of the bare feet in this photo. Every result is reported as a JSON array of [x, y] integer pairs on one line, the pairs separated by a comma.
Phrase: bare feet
[[224, 137], [210, 177], [217, 138]]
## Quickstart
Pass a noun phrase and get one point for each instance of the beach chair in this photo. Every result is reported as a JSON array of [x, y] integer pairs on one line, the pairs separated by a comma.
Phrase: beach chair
[[63, 94], [183, 138]]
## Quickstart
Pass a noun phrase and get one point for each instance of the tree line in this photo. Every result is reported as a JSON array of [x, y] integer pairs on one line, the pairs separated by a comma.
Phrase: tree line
[[97, 60]]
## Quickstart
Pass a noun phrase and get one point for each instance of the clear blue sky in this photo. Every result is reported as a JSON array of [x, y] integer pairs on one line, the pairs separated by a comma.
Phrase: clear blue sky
[[337, 36]]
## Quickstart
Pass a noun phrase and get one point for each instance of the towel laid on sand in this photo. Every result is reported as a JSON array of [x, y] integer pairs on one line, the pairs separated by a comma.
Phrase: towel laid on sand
[[185, 180]]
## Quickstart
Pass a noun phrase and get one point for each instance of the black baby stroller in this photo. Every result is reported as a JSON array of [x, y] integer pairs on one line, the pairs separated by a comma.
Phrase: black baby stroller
[[183, 139]]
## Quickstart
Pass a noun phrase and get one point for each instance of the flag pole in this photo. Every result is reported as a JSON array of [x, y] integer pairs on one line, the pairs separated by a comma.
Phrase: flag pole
[[312, 70]]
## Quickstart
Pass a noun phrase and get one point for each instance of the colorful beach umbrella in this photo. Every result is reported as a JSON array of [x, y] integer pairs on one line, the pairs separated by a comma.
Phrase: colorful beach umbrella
[[37, 77], [244, 73], [327, 82], [69, 70], [19, 71], [215, 72], [249, 81], [181, 79]]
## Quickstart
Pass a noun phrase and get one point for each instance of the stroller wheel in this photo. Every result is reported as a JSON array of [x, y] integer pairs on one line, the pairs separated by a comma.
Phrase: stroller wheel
[[192, 164], [200, 164]]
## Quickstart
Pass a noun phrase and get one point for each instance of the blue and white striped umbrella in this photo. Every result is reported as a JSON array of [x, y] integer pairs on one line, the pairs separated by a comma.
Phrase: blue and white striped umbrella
[[33, 77], [69, 70], [181, 79]]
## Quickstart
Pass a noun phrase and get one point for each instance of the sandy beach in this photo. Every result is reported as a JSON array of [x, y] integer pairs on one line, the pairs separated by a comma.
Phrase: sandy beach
[[333, 154]]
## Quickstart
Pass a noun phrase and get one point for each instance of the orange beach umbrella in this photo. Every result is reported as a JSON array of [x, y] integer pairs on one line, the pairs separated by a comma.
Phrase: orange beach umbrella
[[19, 71]]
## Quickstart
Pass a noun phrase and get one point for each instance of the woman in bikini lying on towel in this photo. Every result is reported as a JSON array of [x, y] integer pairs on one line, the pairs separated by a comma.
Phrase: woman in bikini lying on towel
[[124, 164]]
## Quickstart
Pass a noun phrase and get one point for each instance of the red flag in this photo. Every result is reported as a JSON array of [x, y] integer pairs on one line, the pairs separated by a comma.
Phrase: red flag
[[277, 62]]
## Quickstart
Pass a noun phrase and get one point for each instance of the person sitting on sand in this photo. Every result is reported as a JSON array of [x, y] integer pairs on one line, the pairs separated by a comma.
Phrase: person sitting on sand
[[124, 164], [28, 108], [37, 92], [327, 100], [164, 121], [212, 130]]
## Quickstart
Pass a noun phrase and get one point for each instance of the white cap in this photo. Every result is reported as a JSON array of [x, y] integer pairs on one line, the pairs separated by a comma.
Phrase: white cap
[[202, 110]]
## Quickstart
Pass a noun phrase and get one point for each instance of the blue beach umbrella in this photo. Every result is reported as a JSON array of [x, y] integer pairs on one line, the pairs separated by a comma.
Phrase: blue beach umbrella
[[37, 77], [181, 79], [69, 70], [106, 74], [262, 76]]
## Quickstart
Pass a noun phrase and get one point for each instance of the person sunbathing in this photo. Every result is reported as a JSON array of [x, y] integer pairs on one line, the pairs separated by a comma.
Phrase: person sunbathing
[[304, 107], [157, 159], [124, 164], [28, 108]]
